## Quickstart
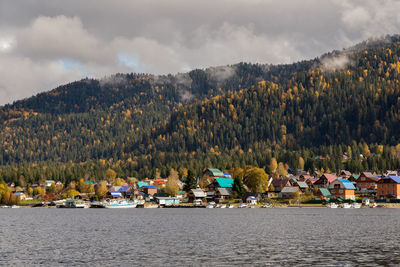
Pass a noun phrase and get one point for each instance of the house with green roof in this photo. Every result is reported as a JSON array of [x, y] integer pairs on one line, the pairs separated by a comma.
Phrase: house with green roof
[[323, 194], [213, 173]]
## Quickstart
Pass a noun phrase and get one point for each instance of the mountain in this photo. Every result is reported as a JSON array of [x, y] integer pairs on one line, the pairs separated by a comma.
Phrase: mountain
[[229, 116]]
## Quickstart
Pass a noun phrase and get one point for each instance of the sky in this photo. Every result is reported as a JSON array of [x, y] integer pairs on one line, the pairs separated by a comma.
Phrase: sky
[[47, 43]]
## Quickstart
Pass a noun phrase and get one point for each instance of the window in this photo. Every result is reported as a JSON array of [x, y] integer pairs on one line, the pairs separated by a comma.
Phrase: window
[[362, 178], [341, 191]]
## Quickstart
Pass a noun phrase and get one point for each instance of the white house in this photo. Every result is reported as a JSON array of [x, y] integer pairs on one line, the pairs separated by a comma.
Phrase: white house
[[251, 200]]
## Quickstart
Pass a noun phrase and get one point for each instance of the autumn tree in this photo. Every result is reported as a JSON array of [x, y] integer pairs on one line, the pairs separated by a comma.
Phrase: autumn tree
[[101, 189], [172, 188], [273, 165], [256, 180], [301, 163]]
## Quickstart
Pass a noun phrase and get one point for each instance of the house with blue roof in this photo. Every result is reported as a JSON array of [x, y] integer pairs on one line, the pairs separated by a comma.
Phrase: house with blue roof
[[142, 184], [342, 188], [221, 183], [389, 187]]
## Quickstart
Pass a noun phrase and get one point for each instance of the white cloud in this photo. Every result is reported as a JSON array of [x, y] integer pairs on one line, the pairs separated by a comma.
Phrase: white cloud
[[47, 43]]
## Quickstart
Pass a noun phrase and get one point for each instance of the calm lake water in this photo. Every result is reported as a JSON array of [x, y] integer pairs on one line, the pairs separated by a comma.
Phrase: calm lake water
[[193, 237]]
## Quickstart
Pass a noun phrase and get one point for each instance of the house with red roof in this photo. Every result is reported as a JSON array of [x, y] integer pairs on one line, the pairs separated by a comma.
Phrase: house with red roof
[[325, 180]]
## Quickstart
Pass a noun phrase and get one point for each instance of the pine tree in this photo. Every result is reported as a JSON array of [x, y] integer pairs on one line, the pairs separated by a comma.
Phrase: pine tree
[[238, 187], [190, 182]]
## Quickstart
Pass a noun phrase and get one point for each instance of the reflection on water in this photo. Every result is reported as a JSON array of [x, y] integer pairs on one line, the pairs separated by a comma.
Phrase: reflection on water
[[182, 237]]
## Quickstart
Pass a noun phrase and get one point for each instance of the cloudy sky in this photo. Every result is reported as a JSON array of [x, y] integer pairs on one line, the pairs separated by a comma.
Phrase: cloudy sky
[[50, 42]]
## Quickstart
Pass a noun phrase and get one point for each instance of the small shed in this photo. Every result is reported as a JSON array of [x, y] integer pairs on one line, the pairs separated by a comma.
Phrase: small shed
[[252, 200]]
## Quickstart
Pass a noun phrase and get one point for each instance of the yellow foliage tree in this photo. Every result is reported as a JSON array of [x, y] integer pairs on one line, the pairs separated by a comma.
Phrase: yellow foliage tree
[[256, 179]]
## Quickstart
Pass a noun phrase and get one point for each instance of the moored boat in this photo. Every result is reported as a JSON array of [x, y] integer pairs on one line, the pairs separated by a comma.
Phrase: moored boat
[[356, 205], [242, 206], [267, 206], [74, 204], [332, 205], [120, 204], [346, 206]]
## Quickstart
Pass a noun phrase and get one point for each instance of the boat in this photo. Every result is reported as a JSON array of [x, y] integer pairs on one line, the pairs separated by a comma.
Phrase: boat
[[120, 204], [210, 206], [15, 207], [230, 206], [223, 206], [242, 206], [266, 206], [218, 206], [74, 204], [97, 204], [346, 206], [356, 205], [5, 207], [332, 205]]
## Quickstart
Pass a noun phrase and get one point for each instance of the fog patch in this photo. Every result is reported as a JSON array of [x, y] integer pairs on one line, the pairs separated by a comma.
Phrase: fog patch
[[221, 73], [113, 80], [331, 63], [185, 95]]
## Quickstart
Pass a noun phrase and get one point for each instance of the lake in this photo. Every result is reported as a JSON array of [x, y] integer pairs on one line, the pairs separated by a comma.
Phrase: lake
[[193, 237]]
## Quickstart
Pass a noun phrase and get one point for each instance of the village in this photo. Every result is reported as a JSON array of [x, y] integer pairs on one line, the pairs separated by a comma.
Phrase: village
[[347, 190]]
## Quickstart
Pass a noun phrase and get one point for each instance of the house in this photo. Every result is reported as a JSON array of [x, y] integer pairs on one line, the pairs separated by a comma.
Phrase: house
[[141, 184], [126, 191], [304, 177], [367, 181], [279, 184], [35, 185], [213, 173], [160, 181], [221, 182], [222, 193], [22, 196], [196, 194], [167, 201], [210, 196], [353, 178], [302, 185], [389, 187], [114, 194], [342, 188], [252, 200], [310, 182], [323, 194], [390, 173], [48, 183], [149, 190], [325, 180], [345, 174], [289, 191]]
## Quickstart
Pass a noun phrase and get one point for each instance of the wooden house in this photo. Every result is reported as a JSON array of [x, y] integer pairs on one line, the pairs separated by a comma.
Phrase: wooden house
[[325, 180], [388, 187], [279, 184], [196, 194], [367, 181], [342, 188]]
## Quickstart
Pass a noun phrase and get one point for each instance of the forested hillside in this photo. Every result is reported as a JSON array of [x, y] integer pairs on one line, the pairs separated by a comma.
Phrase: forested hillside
[[328, 110]]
